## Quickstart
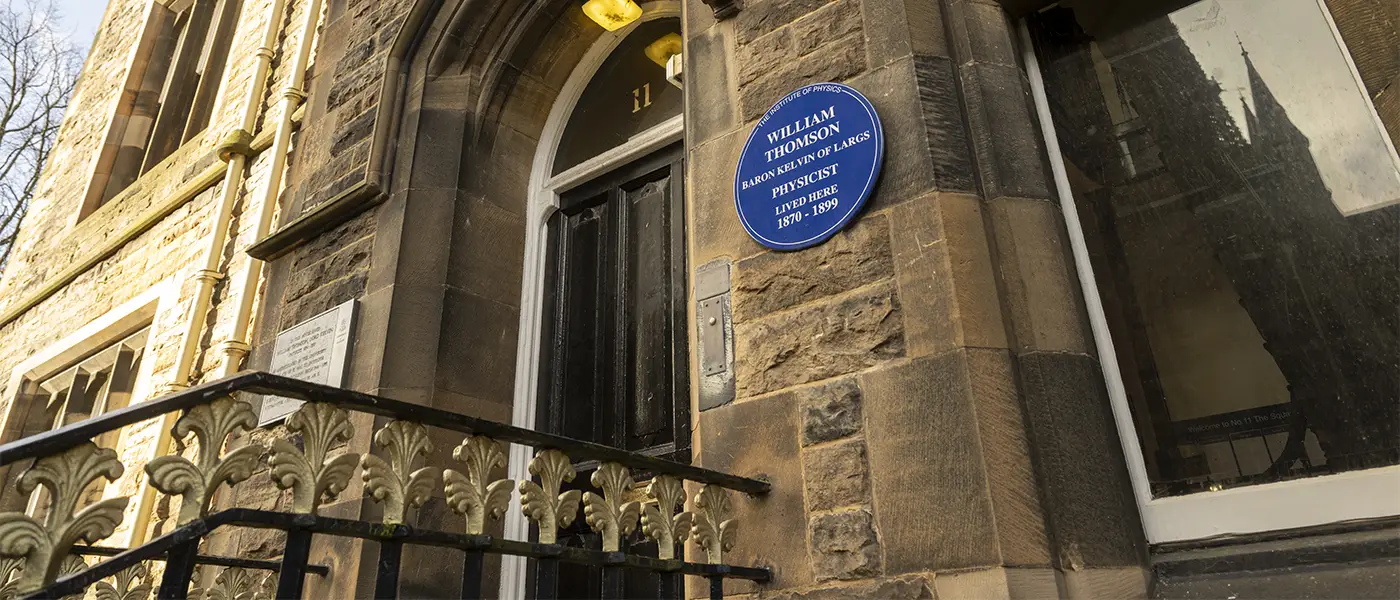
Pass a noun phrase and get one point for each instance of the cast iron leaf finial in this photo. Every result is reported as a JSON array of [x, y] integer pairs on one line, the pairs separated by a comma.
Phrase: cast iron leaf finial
[[212, 424], [128, 584], [312, 477], [608, 514], [391, 481], [658, 523], [45, 546], [542, 502], [473, 494], [233, 583], [713, 531]]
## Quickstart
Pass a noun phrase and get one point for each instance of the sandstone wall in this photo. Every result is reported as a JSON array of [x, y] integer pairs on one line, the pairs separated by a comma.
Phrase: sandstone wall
[[921, 389], [171, 249]]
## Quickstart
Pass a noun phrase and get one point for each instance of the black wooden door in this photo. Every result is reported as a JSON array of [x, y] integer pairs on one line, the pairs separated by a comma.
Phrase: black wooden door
[[614, 369], [615, 364]]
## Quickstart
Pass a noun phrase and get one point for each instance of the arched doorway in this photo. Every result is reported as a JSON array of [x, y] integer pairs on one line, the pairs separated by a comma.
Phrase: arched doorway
[[603, 345]]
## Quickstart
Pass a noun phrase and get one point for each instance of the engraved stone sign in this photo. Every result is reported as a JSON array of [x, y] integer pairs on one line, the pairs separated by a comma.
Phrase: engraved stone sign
[[316, 350]]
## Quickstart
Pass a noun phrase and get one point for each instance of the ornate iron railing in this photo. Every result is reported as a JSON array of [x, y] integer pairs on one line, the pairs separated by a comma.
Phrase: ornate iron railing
[[44, 555]]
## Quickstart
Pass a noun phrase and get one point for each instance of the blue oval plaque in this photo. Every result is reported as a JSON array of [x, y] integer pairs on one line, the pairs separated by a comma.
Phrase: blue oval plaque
[[808, 166]]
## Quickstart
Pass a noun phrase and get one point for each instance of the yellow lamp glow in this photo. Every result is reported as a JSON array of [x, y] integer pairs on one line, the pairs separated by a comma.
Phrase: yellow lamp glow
[[664, 48], [612, 14]]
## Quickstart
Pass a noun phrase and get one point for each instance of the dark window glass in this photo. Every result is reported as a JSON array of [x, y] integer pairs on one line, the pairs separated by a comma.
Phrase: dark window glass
[[101, 382], [171, 90], [1239, 200], [628, 95]]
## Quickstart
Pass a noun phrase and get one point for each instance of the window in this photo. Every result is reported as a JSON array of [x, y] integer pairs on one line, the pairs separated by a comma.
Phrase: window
[[170, 93], [628, 95], [100, 383], [1240, 204]]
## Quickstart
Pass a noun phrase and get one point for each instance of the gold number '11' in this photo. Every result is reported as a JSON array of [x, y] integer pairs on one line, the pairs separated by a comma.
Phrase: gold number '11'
[[641, 98]]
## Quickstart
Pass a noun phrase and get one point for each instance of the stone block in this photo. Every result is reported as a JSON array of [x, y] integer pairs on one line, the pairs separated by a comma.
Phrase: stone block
[[818, 341], [325, 298], [1087, 496], [982, 33], [907, 172], [1008, 145], [999, 583], [765, 55], [511, 155], [438, 130], [333, 241], [1042, 286], [829, 412], [488, 245], [762, 16], [411, 337], [1006, 456], [697, 18], [926, 466], [887, 30], [477, 354], [774, 281], [825, 25], [759, 438], [709, 109], [835, 476], [350, 260], [844, 545], [946, 279], [1128, 583], [712, 222], [904, 588], [414, 239], [524, 104], [836, 61], [945, 125]]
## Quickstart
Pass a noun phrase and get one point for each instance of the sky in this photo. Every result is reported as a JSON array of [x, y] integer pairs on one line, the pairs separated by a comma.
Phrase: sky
[[81, 18]]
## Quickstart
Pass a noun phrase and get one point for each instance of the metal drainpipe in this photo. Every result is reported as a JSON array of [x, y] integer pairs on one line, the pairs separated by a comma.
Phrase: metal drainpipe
[[234, 149], [236, 348]]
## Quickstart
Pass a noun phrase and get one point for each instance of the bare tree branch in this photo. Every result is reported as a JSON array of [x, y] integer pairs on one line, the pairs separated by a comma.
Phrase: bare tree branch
[[38, 69]]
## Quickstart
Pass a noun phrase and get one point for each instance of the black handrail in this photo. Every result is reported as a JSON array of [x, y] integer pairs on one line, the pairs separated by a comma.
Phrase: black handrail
[[256, 382], [206, 559]]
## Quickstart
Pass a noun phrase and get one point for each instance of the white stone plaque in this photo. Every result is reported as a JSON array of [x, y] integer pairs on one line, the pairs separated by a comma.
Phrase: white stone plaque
[[316, 350]]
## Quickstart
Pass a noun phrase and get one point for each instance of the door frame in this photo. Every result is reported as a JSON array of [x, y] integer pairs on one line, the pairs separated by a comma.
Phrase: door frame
[[542, 202]]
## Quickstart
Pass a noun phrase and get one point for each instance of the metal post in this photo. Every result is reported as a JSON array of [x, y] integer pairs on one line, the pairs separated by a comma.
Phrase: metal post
[[386, 584], [293, 574], [613, 572], [716, 587], [671, 585], [179, 569], [547, 579], [473, 567]]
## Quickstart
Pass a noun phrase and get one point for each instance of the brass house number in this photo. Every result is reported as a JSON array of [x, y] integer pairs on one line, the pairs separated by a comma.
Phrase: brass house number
[[641, 98]]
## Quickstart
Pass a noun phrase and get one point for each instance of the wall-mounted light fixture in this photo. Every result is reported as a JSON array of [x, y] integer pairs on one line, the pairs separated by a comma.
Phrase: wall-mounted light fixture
[[664, 48], [612, 14], [666, 53]]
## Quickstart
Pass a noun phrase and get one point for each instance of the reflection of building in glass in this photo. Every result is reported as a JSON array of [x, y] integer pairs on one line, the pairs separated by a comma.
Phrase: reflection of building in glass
[[1261, 321]]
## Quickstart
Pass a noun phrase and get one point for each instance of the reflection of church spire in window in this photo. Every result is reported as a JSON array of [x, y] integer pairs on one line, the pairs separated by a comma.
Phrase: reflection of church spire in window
[[1268, 123]]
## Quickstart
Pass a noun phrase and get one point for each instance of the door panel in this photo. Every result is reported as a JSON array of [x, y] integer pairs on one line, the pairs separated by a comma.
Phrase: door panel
[[614, 370], [615, 366]]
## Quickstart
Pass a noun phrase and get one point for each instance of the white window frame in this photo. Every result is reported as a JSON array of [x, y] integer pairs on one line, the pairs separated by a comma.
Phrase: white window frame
[[543, 201], [1350, 496]]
